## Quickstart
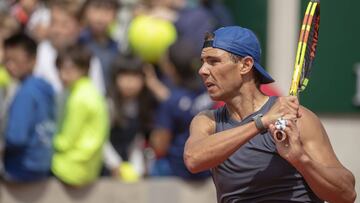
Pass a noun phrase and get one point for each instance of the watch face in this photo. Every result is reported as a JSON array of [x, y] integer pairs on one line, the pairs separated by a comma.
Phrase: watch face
[[257, 116]]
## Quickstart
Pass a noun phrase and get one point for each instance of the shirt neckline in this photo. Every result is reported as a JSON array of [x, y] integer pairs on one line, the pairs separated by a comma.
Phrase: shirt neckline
[[249, 117]]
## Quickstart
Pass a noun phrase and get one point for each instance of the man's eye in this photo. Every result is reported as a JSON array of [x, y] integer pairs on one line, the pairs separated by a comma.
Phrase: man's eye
[[213, 61]]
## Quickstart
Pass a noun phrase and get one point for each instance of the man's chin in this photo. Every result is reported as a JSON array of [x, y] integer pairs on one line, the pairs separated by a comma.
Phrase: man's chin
[[215, 97]]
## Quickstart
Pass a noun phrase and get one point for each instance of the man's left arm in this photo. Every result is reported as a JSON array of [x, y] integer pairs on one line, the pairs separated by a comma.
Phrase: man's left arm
[[309, 150]]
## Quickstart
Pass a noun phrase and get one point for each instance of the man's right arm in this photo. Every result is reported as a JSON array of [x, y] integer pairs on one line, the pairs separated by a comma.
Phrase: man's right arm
[[206, 149]]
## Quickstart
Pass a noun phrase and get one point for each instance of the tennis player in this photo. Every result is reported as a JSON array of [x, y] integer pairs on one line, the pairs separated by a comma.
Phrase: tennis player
[[237, 143]]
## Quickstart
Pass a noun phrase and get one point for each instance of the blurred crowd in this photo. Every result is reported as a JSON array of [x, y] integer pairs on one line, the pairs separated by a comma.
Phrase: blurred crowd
[[92, 88]]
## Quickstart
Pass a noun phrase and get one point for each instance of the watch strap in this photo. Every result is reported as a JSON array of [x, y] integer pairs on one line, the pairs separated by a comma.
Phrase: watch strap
[[259, 124]]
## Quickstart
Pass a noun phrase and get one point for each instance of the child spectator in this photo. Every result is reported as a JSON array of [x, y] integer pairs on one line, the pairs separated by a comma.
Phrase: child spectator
[[130, 110], [30, 125], [98, 16], [78, 144]]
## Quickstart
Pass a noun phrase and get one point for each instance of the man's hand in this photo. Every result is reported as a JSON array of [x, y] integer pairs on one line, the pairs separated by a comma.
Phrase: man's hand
[[310, 152], [291, 148], [284, 107]]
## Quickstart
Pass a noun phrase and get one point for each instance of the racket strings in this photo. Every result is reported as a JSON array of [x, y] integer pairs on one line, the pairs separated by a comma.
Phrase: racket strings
[[311, 44], [299, 62], [306, 48]]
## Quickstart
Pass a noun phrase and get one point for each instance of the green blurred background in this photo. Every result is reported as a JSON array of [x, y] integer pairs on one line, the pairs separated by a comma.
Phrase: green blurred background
[[332, 85]]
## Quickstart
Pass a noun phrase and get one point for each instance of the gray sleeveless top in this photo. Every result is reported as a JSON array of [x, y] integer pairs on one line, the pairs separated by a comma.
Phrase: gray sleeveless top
[[256, 172]]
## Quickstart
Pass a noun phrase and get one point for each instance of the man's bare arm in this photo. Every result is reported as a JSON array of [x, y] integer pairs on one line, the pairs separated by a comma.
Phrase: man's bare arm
[[206, 149], [312, 155]]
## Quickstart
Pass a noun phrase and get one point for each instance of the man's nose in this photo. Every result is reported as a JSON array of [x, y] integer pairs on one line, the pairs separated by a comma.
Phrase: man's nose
[[204, 70]]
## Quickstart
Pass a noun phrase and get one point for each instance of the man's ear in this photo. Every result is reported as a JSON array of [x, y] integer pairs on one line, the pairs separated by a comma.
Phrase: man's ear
[[247, 64]]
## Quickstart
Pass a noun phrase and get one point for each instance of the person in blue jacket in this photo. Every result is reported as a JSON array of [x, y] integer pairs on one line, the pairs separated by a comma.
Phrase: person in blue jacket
[[31, 114]]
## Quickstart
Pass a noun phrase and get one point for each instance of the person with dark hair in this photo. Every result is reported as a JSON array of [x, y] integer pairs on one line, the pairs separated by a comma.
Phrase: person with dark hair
[[173, 116], [31, 116], [63, 31], [130, 105], [98, 16], [79, 141], [238, 142]]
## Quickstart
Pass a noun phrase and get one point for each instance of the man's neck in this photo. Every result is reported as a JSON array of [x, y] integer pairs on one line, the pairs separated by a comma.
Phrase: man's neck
[[247, 101]]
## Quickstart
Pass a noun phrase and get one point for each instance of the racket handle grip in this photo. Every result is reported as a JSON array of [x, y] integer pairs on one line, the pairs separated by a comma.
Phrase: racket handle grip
[[280, 135]]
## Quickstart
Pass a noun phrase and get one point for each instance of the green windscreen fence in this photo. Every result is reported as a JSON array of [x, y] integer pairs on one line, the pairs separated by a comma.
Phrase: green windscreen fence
[[332, 87]]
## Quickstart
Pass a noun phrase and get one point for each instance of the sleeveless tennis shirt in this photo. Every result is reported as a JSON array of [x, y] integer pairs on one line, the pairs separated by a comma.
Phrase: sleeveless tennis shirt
[[256, 172]]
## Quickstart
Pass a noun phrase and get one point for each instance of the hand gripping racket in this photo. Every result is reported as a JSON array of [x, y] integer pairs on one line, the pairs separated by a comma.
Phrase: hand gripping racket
[[305, 56]]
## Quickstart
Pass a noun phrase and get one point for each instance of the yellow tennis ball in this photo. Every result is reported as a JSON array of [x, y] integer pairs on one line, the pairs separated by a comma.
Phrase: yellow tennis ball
[[128, 173], [150, 37]]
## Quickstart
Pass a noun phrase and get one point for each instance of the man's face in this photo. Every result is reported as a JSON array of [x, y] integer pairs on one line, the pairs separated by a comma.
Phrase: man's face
[[220, 74], [18, 62], [99, 18], [64, 28]]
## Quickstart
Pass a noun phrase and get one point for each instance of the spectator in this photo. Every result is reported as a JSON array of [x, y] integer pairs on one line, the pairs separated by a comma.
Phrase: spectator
[[130, 109], [174, 115], [98, 15], [30, 126], [63, 31], [78, 143], [9, 26]]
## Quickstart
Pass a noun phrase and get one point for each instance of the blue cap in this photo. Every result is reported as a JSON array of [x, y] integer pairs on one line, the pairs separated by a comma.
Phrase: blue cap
[[242, 42]]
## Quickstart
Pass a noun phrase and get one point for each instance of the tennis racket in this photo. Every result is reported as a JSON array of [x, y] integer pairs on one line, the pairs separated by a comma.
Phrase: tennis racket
[[305, 56]]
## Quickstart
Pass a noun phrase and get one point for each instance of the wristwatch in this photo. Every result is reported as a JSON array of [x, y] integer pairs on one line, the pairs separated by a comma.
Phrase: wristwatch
[[258, 123]]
